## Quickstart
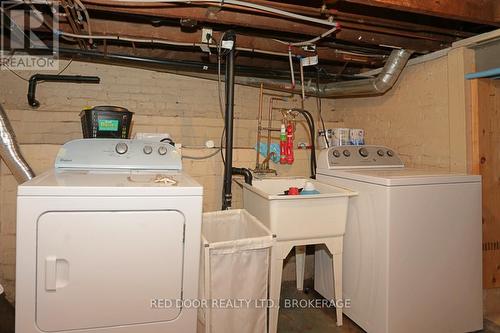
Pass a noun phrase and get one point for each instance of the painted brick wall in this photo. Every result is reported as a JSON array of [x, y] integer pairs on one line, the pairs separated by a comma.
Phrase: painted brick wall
[[412, 118], [187, 108]]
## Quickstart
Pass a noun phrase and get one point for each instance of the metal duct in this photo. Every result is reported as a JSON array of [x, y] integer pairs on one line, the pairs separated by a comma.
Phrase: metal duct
[[361, 87], [10, 152], [364, 87]]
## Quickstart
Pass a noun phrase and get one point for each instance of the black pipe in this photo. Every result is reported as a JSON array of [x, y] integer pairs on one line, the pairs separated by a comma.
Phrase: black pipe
[[310, 123], [191, 65], [229, 118], [244, 172], [55, 78]]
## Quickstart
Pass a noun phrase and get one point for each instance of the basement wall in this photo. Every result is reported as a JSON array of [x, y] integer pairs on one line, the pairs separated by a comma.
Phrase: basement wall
[[186, 108], [417, 118], [423, 117]]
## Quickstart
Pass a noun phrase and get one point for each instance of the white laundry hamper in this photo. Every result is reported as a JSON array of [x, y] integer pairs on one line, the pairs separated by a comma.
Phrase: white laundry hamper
[[234, 273]]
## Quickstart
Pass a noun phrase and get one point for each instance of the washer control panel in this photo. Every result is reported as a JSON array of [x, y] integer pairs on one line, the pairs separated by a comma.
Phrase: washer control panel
[[346, 157], [118, 154]]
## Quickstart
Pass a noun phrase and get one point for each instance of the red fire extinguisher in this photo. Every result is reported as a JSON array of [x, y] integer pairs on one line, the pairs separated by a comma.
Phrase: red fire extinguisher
[[289, 143]]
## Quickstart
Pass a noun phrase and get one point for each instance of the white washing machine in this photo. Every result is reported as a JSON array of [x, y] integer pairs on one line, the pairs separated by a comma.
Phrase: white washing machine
[[109, 241], [412, 247]]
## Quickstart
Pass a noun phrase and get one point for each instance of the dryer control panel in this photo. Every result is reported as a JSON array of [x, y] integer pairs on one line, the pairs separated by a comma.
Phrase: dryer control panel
[[352, 157], [118, 154]]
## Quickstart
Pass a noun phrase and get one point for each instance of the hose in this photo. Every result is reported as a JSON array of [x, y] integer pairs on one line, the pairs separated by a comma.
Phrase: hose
[[310, 123]]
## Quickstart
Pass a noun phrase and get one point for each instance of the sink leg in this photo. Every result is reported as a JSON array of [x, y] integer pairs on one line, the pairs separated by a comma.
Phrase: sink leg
[[337, 280], [275, 291], [300, 263]]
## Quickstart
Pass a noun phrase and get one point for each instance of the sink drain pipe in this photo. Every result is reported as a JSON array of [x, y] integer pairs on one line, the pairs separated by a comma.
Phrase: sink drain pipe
[[229, 38], [230, 42]]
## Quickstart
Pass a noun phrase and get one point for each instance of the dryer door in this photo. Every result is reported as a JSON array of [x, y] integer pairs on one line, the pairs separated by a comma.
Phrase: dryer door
[[101, 269]]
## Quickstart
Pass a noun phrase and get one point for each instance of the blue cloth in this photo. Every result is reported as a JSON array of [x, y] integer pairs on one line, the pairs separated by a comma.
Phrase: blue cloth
[[304, 192], [275, 148]]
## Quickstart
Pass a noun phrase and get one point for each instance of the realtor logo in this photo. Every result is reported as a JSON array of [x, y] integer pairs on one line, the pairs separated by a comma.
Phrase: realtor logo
[[29, 39]]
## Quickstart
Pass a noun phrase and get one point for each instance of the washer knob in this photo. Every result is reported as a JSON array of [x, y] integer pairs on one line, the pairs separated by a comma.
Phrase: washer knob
[[363, 152], [347, 153], [380, 152], [390, 153], [336, 153], [147, 150], [162, 150], [121, 148]]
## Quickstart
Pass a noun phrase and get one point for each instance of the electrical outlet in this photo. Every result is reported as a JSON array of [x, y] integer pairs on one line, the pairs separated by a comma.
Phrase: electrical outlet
[[206, 35]]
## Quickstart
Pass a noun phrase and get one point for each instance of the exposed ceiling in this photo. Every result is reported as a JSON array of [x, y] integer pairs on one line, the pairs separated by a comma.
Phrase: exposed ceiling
[[169, 33]]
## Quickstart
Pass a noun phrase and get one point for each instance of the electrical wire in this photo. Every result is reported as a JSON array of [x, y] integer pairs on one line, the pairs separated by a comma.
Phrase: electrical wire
[[27, 80], [65, 67], [19, 76], [219, 90], [202, 157], [311, 41], [318, 106], [87, 16], [241, 4]]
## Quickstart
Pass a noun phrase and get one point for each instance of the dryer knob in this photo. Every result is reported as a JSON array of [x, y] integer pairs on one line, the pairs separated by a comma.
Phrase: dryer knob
[[390, 153], [380, 152], [336, 153], [121, 148], [347, 153], [162, 150], [147, 150]]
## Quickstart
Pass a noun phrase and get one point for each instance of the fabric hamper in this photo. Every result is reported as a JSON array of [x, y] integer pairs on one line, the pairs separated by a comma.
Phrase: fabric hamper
[[234, 272]]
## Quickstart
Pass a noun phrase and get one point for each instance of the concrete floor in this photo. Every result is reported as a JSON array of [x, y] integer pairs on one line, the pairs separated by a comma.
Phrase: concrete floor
[[6, 316], [323, 320], [294, 320], [313, 320]]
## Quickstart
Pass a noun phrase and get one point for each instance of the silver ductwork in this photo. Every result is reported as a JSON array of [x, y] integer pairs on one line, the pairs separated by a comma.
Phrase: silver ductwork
[[10, 152], [363, 87]]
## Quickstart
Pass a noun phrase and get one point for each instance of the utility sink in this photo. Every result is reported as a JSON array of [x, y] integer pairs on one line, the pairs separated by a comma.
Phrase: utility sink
[[293, 217]]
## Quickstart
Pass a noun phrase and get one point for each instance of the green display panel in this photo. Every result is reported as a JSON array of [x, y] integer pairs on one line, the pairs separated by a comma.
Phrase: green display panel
[[108, 125]]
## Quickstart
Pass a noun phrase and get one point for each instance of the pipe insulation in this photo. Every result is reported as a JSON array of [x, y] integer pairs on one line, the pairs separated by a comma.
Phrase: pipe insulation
[[10, 152]]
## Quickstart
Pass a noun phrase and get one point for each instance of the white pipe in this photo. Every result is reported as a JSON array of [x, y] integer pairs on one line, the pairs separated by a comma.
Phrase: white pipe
[[302, 83], [242, 4], [291, 65], [164, 42]]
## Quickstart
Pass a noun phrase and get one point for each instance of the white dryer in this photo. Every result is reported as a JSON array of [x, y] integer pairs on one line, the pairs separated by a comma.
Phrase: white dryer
[[109, 241], [412, 247]]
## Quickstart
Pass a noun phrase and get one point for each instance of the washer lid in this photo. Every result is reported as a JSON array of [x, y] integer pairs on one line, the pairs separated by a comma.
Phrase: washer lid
[[401, 177], [111, 183]]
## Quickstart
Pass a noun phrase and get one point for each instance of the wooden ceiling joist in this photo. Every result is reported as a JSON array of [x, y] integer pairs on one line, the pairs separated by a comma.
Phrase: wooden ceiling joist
[[175, 34], [354, 33], [478, 11]]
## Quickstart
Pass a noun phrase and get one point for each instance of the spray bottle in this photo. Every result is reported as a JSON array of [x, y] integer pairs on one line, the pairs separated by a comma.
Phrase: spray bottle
[[289, 143], [283, 144]]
